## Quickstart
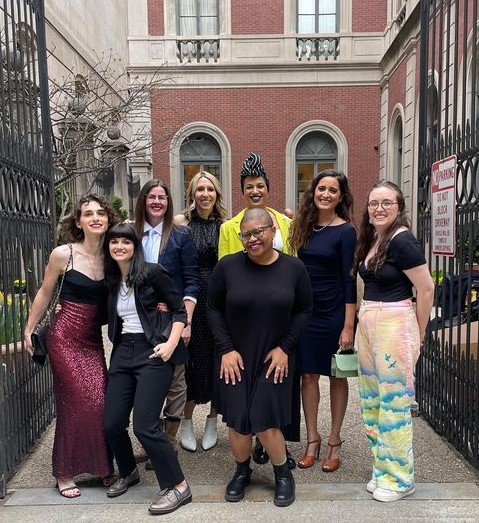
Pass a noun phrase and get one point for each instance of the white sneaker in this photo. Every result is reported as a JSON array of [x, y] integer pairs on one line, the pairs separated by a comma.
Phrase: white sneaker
[[210, 437], [187, 435], [372, 485], [382, 494]]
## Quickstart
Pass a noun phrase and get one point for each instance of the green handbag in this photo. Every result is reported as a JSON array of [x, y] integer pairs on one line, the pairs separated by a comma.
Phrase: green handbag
[[344, 364]]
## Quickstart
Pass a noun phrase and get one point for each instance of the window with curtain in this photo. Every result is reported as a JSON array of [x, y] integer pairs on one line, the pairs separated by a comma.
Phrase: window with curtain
[[315, 152], [398, 152], [197, 17], [432, 123], [199, 152], [317, 16]]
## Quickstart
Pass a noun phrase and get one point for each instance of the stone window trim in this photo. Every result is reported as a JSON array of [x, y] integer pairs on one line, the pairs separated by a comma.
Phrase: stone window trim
[[290, 161], [176, 166]]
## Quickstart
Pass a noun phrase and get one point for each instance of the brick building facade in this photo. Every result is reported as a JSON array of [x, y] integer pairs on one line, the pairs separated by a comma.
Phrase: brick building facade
[[306, 84]]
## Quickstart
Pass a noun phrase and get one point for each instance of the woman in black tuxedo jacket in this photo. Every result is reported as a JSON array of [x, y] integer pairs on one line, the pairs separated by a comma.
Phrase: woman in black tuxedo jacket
[[145, 351]]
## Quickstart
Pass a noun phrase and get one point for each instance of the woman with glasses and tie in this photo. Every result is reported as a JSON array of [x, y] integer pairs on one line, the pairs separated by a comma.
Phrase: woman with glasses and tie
[[259, 301], [172, 247], [390, 330]]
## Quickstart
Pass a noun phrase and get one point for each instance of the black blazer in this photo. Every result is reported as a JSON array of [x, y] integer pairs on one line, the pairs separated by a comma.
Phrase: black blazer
[[157, 288]]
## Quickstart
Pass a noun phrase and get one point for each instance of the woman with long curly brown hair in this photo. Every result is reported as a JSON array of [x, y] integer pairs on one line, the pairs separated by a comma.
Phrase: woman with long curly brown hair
[[324, 239]]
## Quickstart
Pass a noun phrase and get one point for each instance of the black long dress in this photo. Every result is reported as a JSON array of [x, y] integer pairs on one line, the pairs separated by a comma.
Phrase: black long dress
[[252, 309], [199, 368]]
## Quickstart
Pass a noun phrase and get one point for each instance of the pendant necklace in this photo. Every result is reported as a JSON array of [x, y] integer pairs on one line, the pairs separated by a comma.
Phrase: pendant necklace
[[125, 293], [319, 228]]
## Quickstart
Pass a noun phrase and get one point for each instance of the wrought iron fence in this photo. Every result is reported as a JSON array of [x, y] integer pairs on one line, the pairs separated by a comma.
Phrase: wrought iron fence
[[26, 216], [448, 370]]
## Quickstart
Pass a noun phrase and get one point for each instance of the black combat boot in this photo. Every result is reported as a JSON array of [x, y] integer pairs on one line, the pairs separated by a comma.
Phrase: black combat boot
[[236, 487], [260, 456], [284, 492]]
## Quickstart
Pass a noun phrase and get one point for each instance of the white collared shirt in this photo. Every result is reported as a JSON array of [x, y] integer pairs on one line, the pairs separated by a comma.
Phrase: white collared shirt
[[151, 241]]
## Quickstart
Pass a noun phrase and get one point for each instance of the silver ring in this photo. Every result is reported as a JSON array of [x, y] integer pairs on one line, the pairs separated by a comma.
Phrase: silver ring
[[279, 368]]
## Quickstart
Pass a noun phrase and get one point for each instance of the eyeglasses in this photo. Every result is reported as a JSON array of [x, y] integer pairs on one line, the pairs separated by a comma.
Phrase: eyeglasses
[[257, 233], [385, 204], [153, 197]]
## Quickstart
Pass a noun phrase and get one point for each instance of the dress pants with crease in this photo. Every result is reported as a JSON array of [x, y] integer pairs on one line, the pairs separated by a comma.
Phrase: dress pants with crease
[[139, 383]]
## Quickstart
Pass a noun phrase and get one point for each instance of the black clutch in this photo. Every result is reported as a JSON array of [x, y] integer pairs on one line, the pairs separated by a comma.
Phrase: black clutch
[[39, 342]]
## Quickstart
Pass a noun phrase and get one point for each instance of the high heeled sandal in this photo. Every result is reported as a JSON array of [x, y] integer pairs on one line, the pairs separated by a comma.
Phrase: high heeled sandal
[[307, 461], [331, 464]]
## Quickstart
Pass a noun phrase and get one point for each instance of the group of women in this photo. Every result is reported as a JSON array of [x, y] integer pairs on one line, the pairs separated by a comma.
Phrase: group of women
[[251, 333]]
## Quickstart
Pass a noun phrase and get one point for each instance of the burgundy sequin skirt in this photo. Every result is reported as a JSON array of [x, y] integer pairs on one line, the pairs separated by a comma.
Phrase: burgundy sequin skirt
[[75, 349]]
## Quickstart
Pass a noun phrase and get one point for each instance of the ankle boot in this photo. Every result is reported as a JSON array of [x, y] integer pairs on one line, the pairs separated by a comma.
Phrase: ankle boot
[[236, 487], [210, 437], [187, 435], [284, 492], [260, 456], [171, 429]]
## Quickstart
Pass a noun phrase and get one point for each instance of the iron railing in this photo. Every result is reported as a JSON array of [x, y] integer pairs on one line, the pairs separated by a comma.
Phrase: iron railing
[[26, 216], [448, 370]]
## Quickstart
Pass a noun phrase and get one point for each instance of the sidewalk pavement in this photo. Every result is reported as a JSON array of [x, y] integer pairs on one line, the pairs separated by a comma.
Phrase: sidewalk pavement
[[447, 485]]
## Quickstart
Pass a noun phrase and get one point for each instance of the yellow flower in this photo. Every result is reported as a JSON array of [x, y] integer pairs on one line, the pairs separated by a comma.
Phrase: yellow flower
[[9, 300]]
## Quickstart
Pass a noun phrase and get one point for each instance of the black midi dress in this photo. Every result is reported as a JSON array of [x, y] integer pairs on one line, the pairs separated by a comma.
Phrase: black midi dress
[[253, 309]]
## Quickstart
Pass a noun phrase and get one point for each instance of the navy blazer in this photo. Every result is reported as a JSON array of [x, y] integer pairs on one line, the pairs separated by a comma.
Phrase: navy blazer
[[180, 259]]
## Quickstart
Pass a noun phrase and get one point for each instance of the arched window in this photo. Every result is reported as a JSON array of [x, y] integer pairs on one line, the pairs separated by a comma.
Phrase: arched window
[[315, 152], [432, 123], [398, 151], [199, 152]]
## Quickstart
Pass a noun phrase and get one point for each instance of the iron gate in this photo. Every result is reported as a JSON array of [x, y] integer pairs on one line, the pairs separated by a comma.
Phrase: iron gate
[[26, 232], [448, 370]]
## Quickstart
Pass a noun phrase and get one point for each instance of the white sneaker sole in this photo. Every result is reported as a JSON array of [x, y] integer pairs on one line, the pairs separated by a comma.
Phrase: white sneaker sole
[[385, 495]]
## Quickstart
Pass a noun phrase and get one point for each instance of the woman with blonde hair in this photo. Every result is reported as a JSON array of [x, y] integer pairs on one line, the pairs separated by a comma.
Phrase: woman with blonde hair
[[204, 213]]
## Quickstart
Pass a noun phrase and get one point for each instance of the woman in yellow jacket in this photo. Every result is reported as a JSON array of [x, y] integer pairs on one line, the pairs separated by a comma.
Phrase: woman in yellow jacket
[[255, 189]]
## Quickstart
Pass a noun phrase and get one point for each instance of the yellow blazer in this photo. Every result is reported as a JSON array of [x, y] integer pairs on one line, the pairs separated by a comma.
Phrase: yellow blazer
[[229, 243]]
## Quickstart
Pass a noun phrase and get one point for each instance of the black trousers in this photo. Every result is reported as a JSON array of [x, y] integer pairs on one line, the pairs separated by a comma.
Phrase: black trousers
[[139, 383]]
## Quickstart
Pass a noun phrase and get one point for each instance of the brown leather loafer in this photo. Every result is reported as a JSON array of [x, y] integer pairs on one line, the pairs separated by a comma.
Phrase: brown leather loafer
[[121, 485], [170, 499]]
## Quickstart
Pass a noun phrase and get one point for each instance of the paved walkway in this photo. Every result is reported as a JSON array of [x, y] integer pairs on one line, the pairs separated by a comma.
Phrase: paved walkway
[[447, 486]]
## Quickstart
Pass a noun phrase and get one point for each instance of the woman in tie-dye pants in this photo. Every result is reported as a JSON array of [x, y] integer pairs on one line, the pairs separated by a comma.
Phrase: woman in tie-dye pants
[[390, 330]]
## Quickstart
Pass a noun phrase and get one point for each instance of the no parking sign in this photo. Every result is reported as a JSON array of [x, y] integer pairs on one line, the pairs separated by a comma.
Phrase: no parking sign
[[443, 206]]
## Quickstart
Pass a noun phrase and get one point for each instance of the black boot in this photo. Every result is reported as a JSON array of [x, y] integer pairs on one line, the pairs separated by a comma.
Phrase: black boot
[[289, 459], [260, 456], [284, 486], [235, 488]]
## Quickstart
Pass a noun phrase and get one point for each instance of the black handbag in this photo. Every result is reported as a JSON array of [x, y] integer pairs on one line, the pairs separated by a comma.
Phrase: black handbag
[[39, 342], [40, 334]]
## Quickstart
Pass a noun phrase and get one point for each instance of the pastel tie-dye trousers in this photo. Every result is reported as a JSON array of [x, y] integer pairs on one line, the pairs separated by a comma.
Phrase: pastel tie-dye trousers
[[387, 341]]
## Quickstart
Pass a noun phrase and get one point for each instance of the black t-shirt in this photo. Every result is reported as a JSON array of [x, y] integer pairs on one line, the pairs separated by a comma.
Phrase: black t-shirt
[[390, 283]]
